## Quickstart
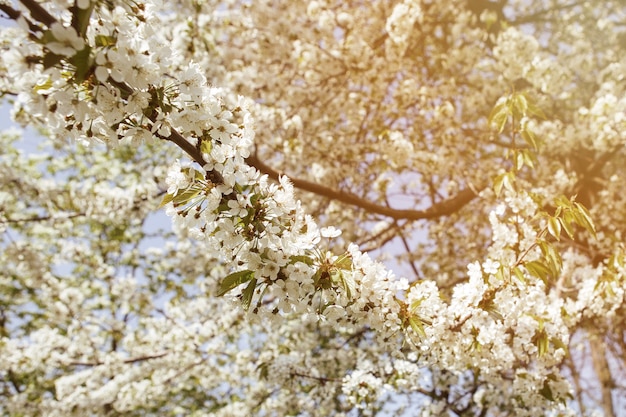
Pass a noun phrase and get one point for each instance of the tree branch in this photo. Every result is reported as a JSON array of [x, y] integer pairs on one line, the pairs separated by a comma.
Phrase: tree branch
[[126, 361], [41, 218], [443, 208], [38, 13]]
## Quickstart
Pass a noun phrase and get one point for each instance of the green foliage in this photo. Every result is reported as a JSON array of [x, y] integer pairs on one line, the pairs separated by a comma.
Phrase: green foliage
[[504, 180], [234, 280], [335, 274], [514, 108], [183, 198], [83, 62]]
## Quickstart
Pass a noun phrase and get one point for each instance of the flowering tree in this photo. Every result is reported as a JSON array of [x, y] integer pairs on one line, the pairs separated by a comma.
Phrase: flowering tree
[[475, 145]]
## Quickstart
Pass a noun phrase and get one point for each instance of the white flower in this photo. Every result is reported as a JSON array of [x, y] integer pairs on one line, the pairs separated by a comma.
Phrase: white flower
[[330, 232], [176, 179], [66, 42], [490, 266], [474, 271]]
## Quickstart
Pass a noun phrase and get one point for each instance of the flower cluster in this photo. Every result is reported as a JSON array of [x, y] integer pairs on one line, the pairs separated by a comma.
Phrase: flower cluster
[[255, 306]]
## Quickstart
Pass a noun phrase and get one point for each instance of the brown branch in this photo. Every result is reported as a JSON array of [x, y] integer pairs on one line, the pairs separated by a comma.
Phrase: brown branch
[[38, 13], [437, 210], [321, 379], [41, 218], [15, 14], [440, 209], [400, 231], [126, 361], [11, 12]]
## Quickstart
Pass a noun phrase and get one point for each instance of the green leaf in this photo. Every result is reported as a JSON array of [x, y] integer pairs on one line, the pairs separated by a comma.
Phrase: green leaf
[[530, 138], [417, 326], [519, 274], [196, 174], [415, 304], [166, 199], [300, 258], [583, 218], [206, 146], [500, 114], [45, 86], [539, 270], [554, 227], [551, 258], [344, 262], [519, 161], [497, 185], [234, 280], [503, 180], [558, 344], [542, 342], [567, 227], [81, 60], [519, 105], [563, 202], [347, 282], [317, 276], [50, 60], [80, 18], [182, 198], [263, 369], [546, 392], [104, 40], [246, 295], [529, 158]]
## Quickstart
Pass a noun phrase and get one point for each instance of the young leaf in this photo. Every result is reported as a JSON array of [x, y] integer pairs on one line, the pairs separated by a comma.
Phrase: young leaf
[[81, 60], [206, 146], [528, 157], [104, 40], [567, 227], [583, 218], [554, 227], [344, 262], [503, 180], [543, 343], [81, 17], [43, 86], [300, 258], [234, 280], [530, 138], [499, 116], [558, 344], [417, 326], [519, 161], [520, 106], [546, 392], [538, 269], [348, 284], [246, 295], [166, 199], [184, 197], [519, 274]]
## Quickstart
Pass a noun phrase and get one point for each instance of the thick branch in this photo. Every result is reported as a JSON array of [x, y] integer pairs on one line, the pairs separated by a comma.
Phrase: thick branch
[[15, 14], [38, 13], [443, 208], [11, 12]]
